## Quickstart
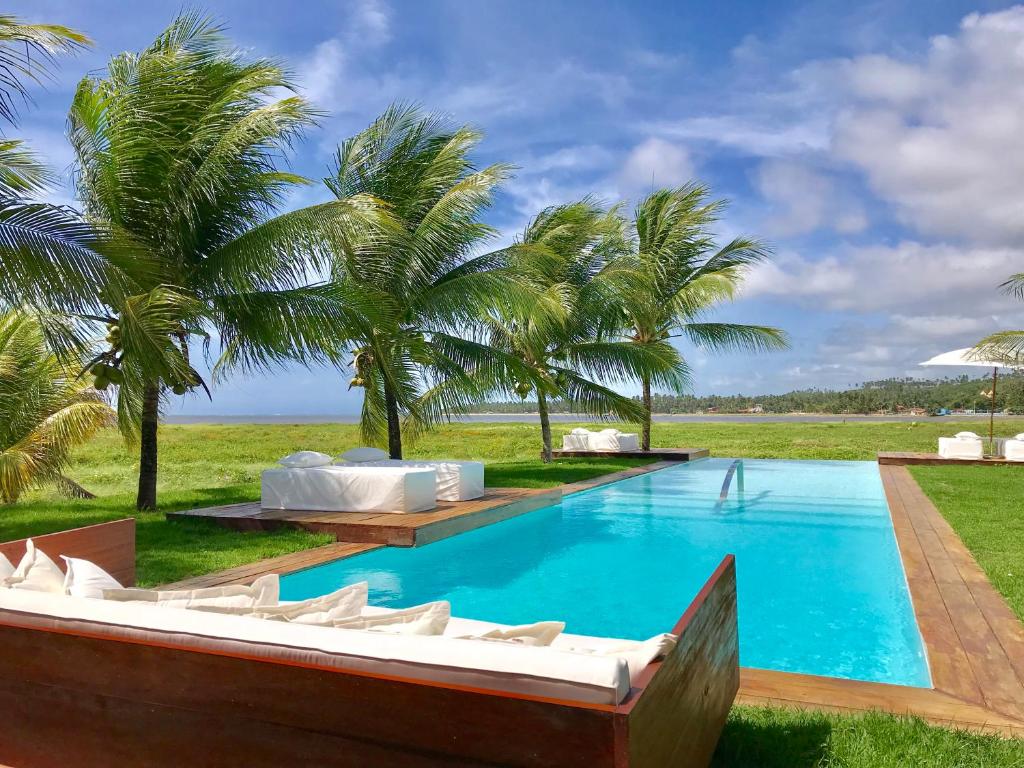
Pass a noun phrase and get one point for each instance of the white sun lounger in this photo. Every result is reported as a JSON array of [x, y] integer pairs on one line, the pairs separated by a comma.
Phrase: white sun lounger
[[964, 445], [1013, 449], [355, 488], [605, 440], [456, 480]]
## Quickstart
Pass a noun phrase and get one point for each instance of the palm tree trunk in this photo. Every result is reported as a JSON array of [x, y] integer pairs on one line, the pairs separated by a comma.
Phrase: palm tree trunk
[[146, 498], [394, 423], [645, 437], [545, 426]]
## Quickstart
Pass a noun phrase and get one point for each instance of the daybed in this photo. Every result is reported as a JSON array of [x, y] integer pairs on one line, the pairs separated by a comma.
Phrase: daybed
[[340, 488], [456, 480], [1013, 449], [964, 445], [89, 682], [606, 440]]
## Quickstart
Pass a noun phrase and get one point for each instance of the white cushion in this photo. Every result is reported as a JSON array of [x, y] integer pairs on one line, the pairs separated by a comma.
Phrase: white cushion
[[1013, 450], [305, 459], [1019, 437], [966, 436], [636, 653], [350, 488], [264, 591], [86, 579], [359, 455], [455, 480], [580, 431], [6, 569], [426, 619], [324, 611], [539, 634], [491, 666], [960, 448], [36, 572]]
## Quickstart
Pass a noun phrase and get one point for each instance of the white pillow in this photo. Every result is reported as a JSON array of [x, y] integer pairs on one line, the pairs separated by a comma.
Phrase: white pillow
[[6, 569], [358, 455], [426, 619], [966, 436], [264, 591], [580, 431], [344, 603], [538, 634], [305, 460], [1019, 437], [36, 572], [86, 579]]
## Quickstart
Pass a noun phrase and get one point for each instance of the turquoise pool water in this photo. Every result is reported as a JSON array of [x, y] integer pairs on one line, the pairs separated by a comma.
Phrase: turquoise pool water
[[820, 580]]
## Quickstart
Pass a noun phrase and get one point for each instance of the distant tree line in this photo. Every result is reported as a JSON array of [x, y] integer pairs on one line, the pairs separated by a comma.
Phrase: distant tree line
[[896, 395]]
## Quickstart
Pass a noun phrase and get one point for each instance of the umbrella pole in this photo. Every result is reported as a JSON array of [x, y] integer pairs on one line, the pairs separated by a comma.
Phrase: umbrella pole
[[992, 414]]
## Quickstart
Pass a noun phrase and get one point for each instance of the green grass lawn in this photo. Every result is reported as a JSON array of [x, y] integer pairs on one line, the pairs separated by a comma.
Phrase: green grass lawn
[[203, 465]]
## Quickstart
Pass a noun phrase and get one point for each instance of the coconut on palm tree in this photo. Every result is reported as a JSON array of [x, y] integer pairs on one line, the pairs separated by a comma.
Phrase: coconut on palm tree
[[177, 153], [568, 342], [46, 409], [683, 273], [412, 357]]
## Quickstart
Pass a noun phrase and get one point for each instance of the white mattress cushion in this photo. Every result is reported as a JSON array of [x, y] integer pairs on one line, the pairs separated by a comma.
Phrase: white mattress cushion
[[264, 591], [960, 448], [359, 455], [324, 610], [426, 619], [86, 579], [305, 459], [455, 480], [490, 666], [537, 634], [350, 488], [1013, 450], [636, 653], [36, 572]]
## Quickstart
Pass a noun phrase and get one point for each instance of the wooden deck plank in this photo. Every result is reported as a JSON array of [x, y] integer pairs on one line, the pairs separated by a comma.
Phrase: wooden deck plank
[[904, 458]]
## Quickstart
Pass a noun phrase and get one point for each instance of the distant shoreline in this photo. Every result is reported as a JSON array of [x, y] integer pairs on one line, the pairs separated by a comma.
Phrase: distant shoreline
[[513, 418]]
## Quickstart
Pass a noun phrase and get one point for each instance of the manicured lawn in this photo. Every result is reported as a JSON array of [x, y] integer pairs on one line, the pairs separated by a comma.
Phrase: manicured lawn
[[757, 737]]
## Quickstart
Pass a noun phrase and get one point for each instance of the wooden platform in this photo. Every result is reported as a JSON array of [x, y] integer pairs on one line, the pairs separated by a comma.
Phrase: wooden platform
[[399, 530], [656, 454], [897, 458], [975, 642]]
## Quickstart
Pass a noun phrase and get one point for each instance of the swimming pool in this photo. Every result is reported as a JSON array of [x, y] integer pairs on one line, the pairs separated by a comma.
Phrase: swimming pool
[[820, 581]]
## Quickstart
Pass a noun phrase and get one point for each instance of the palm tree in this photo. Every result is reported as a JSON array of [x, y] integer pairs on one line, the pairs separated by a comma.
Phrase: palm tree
[[1005, 345], [411, 357], [177, 165], [567, 341], [46, 409], [685, 273]]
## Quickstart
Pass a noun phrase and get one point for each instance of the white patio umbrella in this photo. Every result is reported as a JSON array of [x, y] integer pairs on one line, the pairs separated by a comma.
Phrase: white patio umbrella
[[968, 357]]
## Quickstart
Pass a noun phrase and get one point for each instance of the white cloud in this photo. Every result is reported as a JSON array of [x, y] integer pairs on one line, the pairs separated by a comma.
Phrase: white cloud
[[655, 163], [941, 138], [802, 200], [756, 134], [908, 277], [371, 22]]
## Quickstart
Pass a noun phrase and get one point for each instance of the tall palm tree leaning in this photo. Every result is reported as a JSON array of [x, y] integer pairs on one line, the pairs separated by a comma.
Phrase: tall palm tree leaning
[[1005, 345], [567, 341], [411, 357], [684, 274], [176, 152], [46, 409]]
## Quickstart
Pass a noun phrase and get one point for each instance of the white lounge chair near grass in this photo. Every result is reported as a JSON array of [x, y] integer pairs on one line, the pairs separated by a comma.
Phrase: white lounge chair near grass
[[456, 480], [963, 445], [607, 440]]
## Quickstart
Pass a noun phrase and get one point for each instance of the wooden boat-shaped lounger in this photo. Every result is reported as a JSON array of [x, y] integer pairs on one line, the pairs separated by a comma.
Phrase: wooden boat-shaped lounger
[[87, 682]]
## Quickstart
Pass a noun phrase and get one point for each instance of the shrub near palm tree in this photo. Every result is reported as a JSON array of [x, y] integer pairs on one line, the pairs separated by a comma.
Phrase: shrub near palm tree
[[411, 358], [685, 273], [567, 342], [177, 152], [46, 409]]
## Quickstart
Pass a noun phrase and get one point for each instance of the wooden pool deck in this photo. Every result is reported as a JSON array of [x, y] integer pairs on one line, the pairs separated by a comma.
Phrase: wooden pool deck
[[902, 458], [974, 641]]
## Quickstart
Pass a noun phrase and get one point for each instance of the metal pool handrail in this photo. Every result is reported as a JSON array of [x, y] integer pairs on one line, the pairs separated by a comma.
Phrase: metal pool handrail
[[736, 468]]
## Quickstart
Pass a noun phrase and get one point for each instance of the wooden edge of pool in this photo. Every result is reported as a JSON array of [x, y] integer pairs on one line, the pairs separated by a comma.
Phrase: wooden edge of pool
[[974, 641]]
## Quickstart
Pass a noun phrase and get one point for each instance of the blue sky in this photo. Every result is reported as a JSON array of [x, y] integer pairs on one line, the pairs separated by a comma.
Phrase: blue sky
[[876, 146]]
